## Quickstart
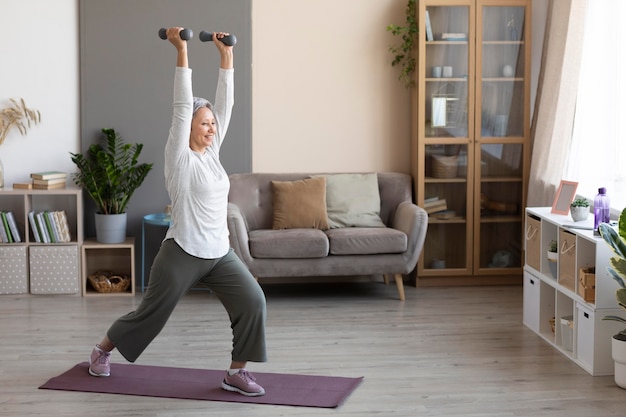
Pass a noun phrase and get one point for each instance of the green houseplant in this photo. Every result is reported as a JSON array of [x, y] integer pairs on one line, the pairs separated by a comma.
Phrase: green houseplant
[[579, 209], [553, 257], [403, 53], [110, 173], [617, 270]]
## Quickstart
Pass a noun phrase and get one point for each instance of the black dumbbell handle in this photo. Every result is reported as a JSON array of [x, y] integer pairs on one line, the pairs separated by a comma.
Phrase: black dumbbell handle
[[229, 40], [185, 34]]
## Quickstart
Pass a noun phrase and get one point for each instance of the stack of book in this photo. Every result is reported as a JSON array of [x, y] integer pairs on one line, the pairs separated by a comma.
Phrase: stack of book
[[9, 233], [435, 205], [50, 226], [44, 180]]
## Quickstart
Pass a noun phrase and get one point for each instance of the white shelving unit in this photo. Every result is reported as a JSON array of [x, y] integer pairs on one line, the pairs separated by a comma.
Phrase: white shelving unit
[[41, 268], [548, 296]]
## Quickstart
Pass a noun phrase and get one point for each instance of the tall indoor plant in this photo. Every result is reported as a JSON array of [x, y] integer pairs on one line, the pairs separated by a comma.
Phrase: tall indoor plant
[[110, 173], [617, 241], [403, 54]]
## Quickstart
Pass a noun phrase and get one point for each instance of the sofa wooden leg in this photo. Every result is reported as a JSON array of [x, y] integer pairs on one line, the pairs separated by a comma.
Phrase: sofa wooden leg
[[400, 285], [386, 279]]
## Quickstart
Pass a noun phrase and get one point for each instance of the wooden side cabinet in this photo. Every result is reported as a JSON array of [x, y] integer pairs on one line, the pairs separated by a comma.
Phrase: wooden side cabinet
[[118, 258], [471, 130], [32, 265]]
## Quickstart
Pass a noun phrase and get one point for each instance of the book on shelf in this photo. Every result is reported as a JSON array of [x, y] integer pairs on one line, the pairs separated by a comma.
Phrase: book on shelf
[[34, 227], [50, 181], [50, 226], [48, 186], [63, 227], [43, 230], [435, 206], [5, 226], [22, 185], [454, 36], [15, 232], [429, 28], [48, 175]]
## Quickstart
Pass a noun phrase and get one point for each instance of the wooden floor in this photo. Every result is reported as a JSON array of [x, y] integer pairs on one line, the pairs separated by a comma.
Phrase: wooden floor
[[443, 352]]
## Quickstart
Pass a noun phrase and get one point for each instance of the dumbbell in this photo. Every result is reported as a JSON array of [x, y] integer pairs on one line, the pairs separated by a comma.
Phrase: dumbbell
[[229, 40], [185, 34]]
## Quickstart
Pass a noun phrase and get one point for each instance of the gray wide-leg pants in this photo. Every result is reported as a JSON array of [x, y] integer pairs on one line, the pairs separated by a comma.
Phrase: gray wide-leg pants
[[173, 274]]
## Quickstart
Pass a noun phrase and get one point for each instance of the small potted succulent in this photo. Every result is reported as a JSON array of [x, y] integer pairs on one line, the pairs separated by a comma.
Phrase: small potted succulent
[[579, 209], [553, 256]]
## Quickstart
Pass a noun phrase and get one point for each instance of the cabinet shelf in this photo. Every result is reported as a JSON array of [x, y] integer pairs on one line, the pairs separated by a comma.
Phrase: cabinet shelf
[[42, 268], [548, 296], [481, 116], [503, 43]]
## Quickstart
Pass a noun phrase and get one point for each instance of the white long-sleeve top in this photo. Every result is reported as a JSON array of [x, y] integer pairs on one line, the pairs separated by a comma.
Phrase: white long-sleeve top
[[197, 183]]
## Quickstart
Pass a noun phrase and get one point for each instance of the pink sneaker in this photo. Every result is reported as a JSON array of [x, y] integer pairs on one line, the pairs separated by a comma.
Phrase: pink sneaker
[[244, 383], [99, 362]]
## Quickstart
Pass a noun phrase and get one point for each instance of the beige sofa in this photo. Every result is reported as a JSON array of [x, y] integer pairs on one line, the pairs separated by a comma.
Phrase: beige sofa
[[317, 249]]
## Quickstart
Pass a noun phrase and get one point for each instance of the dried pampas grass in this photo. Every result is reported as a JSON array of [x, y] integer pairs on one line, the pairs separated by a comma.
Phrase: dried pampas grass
[[19, 116]]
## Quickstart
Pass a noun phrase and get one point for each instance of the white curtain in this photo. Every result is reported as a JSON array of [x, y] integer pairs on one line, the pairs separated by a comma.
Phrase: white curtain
[[556, 99], [596, 158]]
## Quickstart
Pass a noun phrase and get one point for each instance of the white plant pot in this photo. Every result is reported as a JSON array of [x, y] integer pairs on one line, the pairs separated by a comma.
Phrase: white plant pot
[[618, 350], [579, 214], [111, 228]]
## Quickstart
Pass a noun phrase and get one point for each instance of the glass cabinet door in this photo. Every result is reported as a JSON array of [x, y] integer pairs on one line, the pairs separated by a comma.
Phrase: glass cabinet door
[[500, 131], [445, 126]]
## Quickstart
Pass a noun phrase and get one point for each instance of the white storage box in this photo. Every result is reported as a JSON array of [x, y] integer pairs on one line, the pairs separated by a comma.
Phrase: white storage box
[[13, 270], [54, 269]]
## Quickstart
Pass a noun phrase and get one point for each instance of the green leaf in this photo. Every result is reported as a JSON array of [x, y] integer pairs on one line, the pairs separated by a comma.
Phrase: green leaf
[[110, 172]]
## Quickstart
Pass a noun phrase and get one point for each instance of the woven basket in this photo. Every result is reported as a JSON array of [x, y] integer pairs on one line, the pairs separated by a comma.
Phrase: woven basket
[[107, 282], [445, 166]]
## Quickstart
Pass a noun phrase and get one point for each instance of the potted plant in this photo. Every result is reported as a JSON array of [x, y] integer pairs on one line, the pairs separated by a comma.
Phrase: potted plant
[[110, 173], [579, 209], [403, 53], [553, 256], [617, 241]]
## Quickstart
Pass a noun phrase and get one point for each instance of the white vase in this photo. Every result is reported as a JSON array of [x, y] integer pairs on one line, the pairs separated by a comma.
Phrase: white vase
[[618, 350], [111, 228], [579, 214]]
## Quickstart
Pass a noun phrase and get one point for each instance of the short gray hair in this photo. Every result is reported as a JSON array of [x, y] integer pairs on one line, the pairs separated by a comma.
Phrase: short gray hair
[[199, 102]]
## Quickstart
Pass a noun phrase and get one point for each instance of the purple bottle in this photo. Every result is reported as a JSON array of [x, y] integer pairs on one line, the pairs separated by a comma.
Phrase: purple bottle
[[601, 208]]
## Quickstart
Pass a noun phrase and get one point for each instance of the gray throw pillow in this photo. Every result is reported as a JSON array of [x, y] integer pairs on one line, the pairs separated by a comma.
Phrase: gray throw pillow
[[353, 200]]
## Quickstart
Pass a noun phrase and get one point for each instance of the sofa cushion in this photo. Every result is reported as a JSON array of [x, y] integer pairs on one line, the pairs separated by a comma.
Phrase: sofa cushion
[[366, 240], [288, 243], [300, 204], [353, 200]]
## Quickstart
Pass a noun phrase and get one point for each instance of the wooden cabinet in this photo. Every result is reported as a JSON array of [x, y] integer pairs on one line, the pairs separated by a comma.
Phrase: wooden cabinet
[[470, 155], [561, 305], [41, 268], [116, 258]]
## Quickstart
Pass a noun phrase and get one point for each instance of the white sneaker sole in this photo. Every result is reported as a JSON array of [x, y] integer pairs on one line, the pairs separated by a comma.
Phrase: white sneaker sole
[[233, 388], [92, 373]]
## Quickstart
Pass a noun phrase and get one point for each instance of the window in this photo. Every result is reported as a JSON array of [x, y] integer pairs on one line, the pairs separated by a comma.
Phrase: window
[[598, 151]]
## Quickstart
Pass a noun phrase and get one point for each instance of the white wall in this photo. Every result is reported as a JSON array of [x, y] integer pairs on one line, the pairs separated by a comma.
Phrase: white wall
[[40, 64], [325, 97]]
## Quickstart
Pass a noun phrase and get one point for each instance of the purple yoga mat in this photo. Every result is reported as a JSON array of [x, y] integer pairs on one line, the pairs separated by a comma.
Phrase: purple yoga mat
[[205, 384]]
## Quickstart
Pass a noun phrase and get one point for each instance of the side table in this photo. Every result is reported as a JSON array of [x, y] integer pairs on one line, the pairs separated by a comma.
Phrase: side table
[[155, 219]]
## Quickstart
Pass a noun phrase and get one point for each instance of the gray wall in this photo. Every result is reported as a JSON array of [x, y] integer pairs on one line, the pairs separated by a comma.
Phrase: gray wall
[[127, 78]]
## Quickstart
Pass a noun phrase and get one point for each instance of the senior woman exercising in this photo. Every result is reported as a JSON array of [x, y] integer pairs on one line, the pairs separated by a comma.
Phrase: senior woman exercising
[[196, 247]]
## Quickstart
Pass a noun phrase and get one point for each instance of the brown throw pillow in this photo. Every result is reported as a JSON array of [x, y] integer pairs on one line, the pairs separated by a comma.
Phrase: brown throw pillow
[[300, 204]]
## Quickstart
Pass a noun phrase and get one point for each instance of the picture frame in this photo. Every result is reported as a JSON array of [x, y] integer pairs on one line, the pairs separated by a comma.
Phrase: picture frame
[[564, 196]]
